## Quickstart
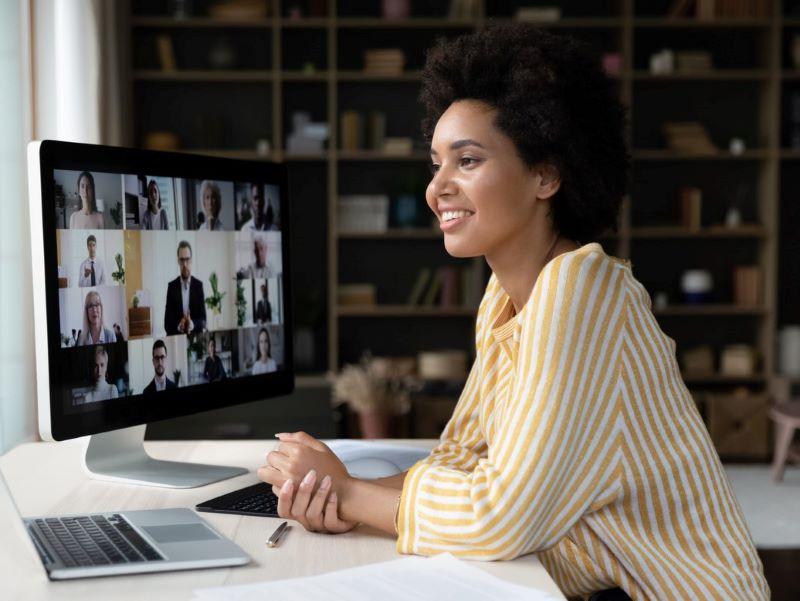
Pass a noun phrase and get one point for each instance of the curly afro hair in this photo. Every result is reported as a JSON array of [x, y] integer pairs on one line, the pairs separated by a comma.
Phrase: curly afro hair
[[555, 103]]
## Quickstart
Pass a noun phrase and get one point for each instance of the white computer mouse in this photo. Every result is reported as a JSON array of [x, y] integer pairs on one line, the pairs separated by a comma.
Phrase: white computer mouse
[[371, 467]]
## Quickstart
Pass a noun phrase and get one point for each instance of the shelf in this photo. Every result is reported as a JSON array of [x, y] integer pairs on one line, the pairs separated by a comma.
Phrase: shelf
[[311, 381], [659, 154], [567, 22], [418, 22], [708, 310], [711, 75], [303, 76], [361, 76], [232, 153], [395, 234], [377, 155], [403, 311], [790, 154], [715, 378], [693, 23], [305, 22], [202, 76], [670, 231], [201, 22]]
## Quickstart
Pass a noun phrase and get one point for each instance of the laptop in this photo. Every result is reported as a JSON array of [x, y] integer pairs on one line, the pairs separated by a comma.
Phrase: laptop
[[123, 542]]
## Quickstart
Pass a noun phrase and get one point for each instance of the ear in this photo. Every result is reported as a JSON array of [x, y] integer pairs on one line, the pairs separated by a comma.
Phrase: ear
[[549, 180]]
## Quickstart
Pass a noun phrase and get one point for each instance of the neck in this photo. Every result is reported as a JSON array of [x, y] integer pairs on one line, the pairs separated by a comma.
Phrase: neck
[[518, 262], [95, 331], [160, 379]]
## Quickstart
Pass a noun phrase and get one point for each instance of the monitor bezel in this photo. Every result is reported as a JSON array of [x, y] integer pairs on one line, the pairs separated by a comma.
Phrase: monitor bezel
[[184, 401]]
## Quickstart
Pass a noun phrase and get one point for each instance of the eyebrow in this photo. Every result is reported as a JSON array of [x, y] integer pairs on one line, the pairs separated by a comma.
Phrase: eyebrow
[[460, 144]]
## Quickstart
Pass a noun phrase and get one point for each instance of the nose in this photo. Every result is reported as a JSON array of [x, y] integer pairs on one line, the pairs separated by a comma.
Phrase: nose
[[442, 183]]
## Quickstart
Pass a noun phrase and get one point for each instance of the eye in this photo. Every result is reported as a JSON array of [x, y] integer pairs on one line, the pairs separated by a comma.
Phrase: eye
[[433, 168], [467, 161]]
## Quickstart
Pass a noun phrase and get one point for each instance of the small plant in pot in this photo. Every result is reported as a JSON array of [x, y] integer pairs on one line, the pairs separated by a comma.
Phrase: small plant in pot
[[377, 389]]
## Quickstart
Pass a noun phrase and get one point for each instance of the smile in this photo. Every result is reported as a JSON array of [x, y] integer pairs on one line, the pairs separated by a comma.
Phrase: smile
[[452, 219]]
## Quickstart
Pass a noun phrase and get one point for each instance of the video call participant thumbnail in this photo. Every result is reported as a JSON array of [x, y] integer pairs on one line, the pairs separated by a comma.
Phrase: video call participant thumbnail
[[213, 370], [92, 270], [102, 389], [185, 310], [94, 330], [264, 362], [155, 217], [160, 381], [87, 217]]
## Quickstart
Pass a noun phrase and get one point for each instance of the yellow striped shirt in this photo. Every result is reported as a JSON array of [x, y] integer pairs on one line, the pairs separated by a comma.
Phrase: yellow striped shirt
[[575, 438]]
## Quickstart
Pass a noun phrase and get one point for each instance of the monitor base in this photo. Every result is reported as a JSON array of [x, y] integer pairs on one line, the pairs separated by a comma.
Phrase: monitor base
[[119, 456]]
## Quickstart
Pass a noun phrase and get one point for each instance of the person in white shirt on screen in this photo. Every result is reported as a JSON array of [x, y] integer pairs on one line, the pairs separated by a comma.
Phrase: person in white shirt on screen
[[102, 390], [160, 380], [87, 217], [93, 331], [265, 363], [92, 271], [260, 268], [212, 204], [154, 218], [258, 221]]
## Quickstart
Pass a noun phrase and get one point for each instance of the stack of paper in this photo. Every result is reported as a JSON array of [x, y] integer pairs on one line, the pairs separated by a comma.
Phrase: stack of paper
[[437, 578]]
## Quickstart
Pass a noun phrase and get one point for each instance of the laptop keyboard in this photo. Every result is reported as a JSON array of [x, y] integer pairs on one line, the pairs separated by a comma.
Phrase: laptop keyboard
[[92, 540], [257, 499]]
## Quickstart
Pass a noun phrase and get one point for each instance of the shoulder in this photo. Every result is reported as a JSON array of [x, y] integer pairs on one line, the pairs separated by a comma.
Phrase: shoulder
[[585, 271], [196, 283]]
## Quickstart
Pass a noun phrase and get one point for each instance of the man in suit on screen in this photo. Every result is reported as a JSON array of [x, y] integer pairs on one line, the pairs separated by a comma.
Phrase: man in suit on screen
[[186, 307]]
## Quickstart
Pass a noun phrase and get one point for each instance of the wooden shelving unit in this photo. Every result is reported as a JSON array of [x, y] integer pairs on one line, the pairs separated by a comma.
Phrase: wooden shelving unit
[[279, 79]]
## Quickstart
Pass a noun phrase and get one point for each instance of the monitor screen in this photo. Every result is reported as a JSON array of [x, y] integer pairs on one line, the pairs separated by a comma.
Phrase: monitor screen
[[166, 283]]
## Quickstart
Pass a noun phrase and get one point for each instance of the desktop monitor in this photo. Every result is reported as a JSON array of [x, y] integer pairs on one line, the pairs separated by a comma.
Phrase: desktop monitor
[[161, 289]]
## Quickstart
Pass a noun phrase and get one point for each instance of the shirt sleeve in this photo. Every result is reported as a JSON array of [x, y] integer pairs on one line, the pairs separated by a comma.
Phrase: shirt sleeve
[[556, 441]]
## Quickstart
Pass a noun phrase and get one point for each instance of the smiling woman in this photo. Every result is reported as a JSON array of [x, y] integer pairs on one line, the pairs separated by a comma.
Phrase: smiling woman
[[575, 437]]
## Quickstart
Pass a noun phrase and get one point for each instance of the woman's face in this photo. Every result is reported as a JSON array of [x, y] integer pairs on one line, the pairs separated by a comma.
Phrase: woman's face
[[208, 203], [482, 192], [86, 191], [153, 195], [100, 367], [263, 345], [94, 311]]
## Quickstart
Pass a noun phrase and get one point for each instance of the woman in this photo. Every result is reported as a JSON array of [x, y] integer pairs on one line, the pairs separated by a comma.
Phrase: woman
[[264, 363], [94, 332], [212, 204], [102, 390], [154, 218], [575, 437], [87, 217]]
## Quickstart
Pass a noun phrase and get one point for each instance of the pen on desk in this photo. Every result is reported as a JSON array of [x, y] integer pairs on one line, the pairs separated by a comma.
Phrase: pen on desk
[[272, 541]]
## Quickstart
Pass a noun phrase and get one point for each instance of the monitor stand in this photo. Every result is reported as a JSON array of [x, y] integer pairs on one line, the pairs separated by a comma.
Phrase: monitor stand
[[119, 455]]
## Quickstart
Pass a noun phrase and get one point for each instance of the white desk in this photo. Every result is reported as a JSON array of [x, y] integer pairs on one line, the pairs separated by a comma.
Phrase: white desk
[[47, 479]]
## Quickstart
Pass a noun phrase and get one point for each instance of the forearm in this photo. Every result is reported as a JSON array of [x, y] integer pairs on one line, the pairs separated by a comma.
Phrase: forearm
[[395, 481], [370, 503]]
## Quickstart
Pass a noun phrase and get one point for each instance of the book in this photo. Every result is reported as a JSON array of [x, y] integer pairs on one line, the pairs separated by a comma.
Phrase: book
[[351, 130], [433, 291], [418, 289], [166, 52], [449, 289]]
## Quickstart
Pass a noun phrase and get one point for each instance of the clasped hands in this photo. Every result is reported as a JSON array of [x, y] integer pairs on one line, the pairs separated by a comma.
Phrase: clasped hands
[[309, 481]]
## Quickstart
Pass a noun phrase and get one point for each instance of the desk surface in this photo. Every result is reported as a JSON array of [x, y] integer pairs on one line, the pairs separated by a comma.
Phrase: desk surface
[[47, 479]]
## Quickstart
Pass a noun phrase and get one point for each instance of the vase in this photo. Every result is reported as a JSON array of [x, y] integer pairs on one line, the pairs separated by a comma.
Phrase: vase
[[374, 424]]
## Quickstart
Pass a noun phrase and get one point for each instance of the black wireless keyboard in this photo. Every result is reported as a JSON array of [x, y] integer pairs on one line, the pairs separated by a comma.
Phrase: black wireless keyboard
[[257, 499]]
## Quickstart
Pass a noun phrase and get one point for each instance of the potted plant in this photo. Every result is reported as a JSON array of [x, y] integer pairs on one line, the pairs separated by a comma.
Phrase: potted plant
[[135, 301], [119, 275], [377, 390], [241, 304], [214, 300]]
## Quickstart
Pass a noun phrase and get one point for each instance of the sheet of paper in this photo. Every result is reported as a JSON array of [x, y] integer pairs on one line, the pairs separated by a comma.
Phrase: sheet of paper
[[403, 456], [439, 578]]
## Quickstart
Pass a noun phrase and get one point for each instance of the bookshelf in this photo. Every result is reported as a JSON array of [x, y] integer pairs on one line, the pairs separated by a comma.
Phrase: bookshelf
[[746, 94]]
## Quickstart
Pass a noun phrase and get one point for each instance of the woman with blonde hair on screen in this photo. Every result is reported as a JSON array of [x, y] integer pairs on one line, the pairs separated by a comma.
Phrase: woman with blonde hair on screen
[[211, 198], [575, 437], [155, 217], [87, 217], [94, 332]]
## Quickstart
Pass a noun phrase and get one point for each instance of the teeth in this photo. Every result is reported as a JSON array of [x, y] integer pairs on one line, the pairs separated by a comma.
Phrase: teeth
[[450, 215]]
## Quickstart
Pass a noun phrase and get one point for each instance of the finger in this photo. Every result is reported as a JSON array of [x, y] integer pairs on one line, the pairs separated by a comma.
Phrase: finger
[[303, 438], [285, 499], [279, 461], [314, 513], [300, 504], [332, 522], [268, 474], [276, 490]]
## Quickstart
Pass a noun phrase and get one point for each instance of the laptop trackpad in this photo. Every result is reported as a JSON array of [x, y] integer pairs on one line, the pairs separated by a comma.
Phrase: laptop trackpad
[[180, 533]]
